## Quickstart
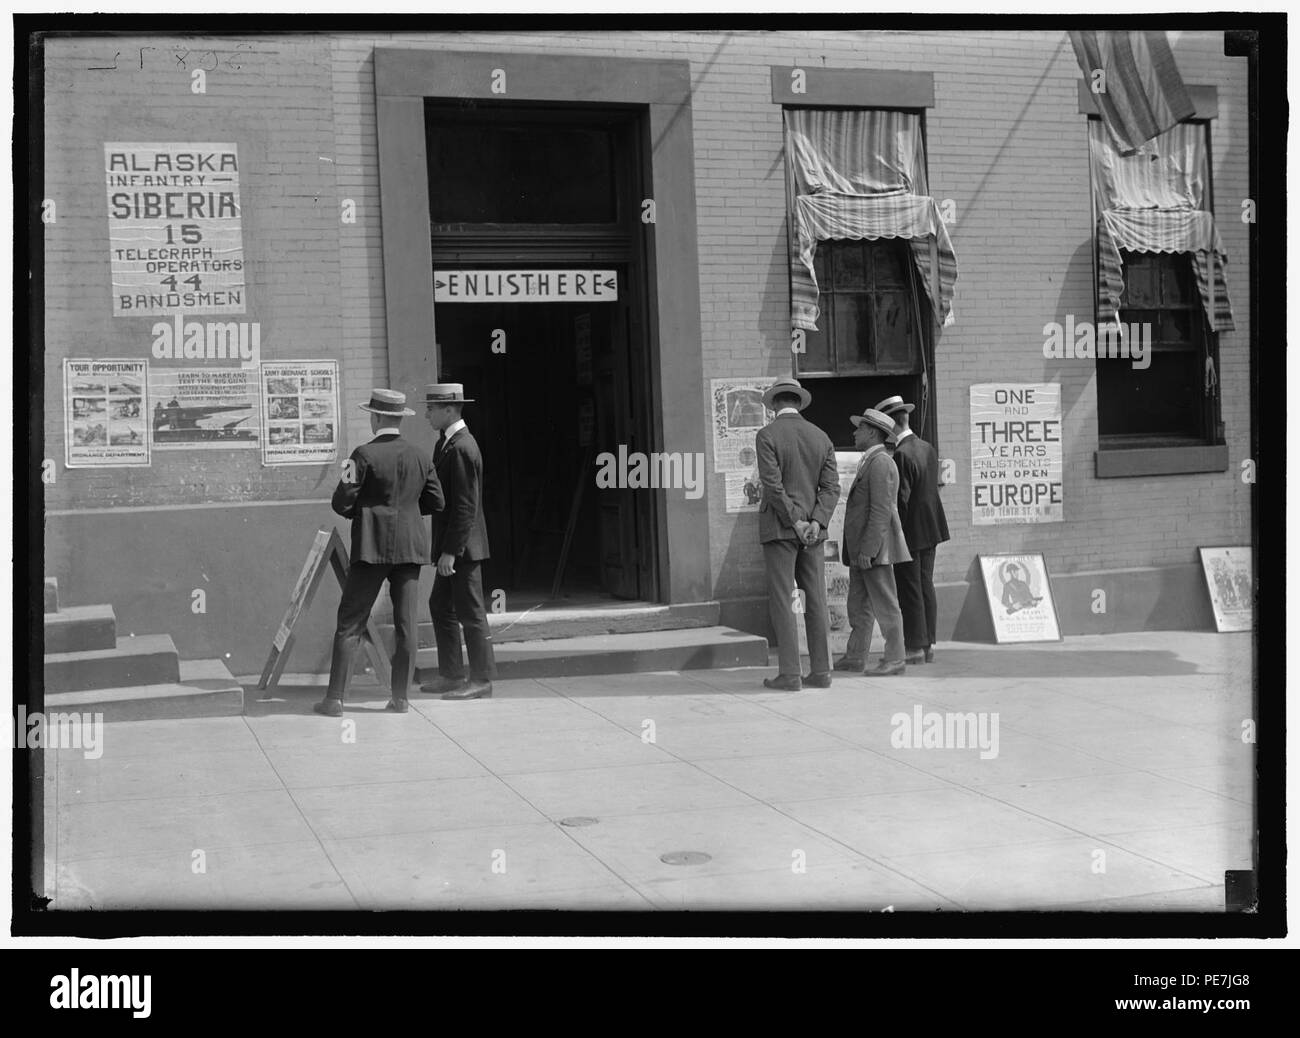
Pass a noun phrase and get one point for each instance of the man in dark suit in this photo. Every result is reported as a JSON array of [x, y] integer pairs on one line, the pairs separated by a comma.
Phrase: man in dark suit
[[796, 466], [460, 545], [925, 527], [873, 540], [387, 488]]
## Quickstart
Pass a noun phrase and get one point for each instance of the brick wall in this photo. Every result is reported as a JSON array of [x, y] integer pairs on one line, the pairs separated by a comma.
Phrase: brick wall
[[272, 98], [1006, 144]]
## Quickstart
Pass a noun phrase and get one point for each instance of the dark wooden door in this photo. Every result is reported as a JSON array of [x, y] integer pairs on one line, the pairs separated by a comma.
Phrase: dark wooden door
[[616, 506]]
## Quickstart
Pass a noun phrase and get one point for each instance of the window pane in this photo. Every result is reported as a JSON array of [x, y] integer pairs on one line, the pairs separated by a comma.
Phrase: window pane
[[850, 265], [498, 172], [817, 345], [852, 337], [1176, 326], [821, 259], [1164, 399], [1177, 280], [894, 331], [1141, 285], [889, 259]]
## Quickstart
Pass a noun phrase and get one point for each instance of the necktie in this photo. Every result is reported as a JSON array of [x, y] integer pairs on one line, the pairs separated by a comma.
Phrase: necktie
[[442, 443]]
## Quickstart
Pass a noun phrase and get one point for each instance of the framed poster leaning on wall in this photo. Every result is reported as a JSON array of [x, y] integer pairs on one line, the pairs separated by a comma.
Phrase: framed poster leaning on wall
[[1019, 594], [1230, 578]]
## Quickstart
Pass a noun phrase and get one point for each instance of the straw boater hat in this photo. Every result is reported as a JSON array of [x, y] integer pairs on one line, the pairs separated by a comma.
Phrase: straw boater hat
[[446, 393], [892, 404], [786, 385], [387, 402], [873, 417]]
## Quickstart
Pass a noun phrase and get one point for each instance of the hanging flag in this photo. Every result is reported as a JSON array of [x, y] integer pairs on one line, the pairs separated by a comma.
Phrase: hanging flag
[[1135, 83]]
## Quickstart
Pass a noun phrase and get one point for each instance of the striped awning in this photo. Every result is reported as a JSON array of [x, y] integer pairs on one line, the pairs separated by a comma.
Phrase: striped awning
[[860, 174], [856, 217], [1154, 201]]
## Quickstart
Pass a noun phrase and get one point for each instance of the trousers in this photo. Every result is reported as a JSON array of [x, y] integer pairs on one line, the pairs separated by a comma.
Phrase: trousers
[[456, 604], [916, 599], [861, 621], [790, 565], [359, 593], [882, 595]]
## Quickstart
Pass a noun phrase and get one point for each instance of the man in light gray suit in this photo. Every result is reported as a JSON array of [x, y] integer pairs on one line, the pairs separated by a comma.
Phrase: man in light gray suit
[[873, 539], [796, 465]]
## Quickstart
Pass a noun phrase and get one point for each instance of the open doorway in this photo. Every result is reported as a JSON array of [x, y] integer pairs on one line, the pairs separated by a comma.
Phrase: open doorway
[[540, 298], [555, 395]]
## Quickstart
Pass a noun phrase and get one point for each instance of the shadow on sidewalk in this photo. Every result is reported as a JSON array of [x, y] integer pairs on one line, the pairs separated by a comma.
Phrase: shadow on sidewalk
[[295, 699], [1056, 661]]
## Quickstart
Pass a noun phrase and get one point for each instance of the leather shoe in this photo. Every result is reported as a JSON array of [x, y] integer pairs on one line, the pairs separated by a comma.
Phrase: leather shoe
[[929, 654], [915, 657], [441, 685], [329, 707], [471, 690], [817, 680], [397, 706], [784, 683], [845, 663], [885, 670]]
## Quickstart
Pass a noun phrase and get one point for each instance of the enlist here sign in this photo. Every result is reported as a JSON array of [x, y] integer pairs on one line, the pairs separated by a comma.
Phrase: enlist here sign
[[524, 286]]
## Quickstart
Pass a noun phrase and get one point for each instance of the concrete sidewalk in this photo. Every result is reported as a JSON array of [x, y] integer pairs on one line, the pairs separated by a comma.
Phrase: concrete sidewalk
[[1120, 781]]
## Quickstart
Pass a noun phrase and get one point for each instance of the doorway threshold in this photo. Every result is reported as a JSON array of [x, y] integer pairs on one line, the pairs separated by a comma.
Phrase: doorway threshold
[[577, 618], [594, 614]]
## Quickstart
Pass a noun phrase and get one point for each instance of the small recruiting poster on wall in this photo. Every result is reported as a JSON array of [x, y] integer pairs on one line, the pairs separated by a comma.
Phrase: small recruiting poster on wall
[[300, 412], [743, 489], [837, 574], [1015, 451], [738, 413], [1229, 574], [175, 240], [105, 411], [204, 408], [1020, 600]]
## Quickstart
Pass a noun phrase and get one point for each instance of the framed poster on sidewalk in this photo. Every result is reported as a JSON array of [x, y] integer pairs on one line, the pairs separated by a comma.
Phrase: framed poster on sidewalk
[[1019, 594], [1230, 578]]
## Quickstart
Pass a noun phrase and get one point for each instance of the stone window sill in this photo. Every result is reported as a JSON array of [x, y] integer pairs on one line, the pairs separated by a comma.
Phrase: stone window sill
[[1120, 463]]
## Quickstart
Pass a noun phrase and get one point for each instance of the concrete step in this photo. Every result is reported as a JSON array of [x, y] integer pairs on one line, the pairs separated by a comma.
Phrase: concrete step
[[80, 629], [573, 621], [148, 659], [697, 648], [51, 594], [206, 689]]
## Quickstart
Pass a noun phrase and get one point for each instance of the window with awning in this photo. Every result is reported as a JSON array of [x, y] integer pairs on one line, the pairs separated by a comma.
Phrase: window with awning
[[1156, 200], [859, 174], [1161, 270]]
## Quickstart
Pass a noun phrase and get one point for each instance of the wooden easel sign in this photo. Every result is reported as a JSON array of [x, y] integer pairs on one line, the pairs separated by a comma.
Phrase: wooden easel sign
[[1019, 595], [326, 547]]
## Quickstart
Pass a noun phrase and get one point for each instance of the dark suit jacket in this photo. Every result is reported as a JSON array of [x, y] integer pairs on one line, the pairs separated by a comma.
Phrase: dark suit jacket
[[461, 528], [796, 464], [919, 507], [873, 535], [395, 488]]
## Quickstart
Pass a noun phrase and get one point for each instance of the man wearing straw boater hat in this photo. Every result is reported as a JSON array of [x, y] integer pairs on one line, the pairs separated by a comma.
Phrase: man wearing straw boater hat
[[924, 526], [800, 485], [460, 545], [388, 486], [873, 542]]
